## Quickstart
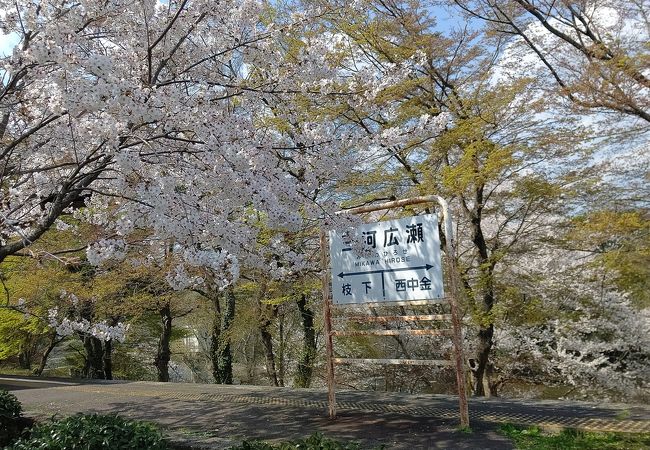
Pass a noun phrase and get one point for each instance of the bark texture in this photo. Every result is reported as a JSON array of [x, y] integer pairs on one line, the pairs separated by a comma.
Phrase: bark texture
[[164, 352]]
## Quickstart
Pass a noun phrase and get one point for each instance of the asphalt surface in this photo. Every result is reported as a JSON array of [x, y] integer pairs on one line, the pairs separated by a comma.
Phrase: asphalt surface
[[216, 416], [16, 383]]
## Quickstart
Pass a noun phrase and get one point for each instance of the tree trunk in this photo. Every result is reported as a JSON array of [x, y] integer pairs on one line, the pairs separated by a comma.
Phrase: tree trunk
[[486, 270], [215, 338], [25, 359], [52, 343], [108, 362], [281, 349], [223, 367], [480, 366], [164, 352], [94, 365], [225, 355], [251, 362], [496, 385], [267, 340], [485, 335], [306, 360]]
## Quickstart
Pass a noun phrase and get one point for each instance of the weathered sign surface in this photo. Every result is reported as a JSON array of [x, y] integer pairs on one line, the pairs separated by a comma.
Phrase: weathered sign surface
[[395, 260]]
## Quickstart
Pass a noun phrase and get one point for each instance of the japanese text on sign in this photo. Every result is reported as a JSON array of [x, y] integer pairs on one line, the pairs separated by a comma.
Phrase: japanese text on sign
[[387, 261]]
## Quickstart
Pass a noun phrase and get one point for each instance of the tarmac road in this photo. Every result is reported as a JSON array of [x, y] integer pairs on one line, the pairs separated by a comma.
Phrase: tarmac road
[[217, 416]]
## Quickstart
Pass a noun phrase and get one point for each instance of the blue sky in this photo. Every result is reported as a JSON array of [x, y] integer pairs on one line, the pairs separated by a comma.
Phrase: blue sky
[[7, 43], [449, 19]]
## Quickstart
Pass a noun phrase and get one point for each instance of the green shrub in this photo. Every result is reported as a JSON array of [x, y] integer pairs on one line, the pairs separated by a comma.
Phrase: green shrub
[[93, 432], [314, 442], [9, 405], [534, 438], [10, 411]]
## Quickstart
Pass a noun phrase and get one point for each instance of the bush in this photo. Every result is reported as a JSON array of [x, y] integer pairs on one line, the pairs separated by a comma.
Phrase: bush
[[314, 442], [10, 411], [93, 432], [534, 438]]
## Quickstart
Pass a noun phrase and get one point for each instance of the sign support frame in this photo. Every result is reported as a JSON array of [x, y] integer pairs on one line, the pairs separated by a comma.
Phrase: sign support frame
[[455, 292], [327, 313]]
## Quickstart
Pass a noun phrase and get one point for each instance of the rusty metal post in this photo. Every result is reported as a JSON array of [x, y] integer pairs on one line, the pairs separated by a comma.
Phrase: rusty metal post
[[329, 345], [457, 337]]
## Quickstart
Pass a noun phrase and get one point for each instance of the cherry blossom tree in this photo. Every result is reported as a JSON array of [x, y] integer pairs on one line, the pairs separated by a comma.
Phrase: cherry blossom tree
[[570, 326], [594, 53], [171, 118]]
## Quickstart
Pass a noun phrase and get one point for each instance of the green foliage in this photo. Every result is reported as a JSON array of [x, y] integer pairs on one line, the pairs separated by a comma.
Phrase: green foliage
[[12, 334], [517, 308], [39, 286], [622, 241], [533, 438], [93, 432], [9, 405], [314, 442], [128, 366], [10, 411]]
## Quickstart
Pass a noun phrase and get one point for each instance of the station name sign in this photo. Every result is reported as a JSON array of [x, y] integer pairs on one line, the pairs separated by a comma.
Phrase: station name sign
[[395, 260]]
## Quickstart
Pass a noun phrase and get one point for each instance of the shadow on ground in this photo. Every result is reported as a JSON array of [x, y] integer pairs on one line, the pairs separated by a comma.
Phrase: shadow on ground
[[237, 422]]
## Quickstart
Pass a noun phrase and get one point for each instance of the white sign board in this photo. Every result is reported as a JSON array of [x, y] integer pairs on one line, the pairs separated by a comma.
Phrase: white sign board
[[396, 260]]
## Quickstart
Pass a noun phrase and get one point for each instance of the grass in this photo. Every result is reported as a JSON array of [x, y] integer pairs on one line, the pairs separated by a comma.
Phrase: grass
[[6, 370], [533, 438], [623, 415]]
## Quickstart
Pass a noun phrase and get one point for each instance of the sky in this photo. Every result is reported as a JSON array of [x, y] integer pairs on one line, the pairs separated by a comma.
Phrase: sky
[[7, 43]]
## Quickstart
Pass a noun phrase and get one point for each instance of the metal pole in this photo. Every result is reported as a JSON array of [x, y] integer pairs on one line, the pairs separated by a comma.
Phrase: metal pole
[[455, 316], [457, 337], [331, 384], [391, 205]]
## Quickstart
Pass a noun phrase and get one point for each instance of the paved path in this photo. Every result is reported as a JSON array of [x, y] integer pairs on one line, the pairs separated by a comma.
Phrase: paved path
[[215, 416]]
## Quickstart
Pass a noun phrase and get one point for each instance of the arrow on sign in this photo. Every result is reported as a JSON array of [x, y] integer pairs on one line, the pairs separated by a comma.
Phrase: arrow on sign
[[343, 275]]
